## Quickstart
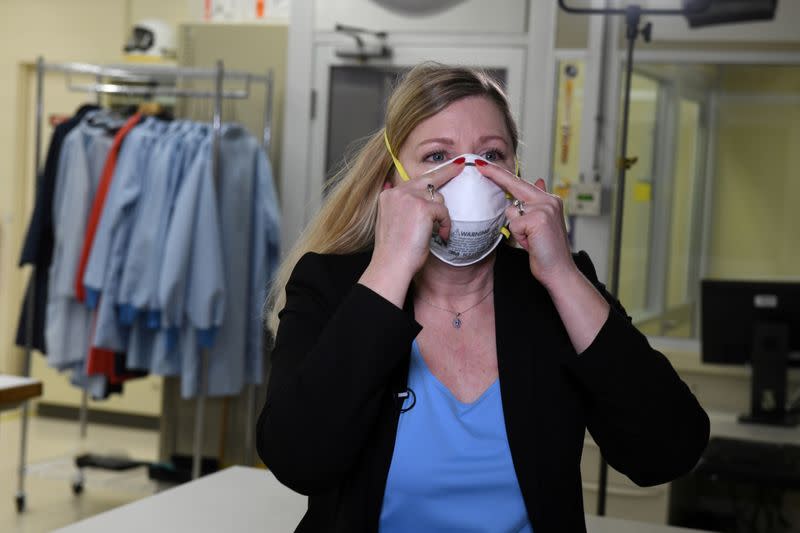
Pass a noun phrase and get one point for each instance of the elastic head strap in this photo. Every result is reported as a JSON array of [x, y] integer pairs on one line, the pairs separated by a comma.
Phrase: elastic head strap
[[397, 164]]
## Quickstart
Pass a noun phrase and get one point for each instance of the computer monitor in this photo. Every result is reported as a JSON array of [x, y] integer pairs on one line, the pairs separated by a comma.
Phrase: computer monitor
[[755, 322]]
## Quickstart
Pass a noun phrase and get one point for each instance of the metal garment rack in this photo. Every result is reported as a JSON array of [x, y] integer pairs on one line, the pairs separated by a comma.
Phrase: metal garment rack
[[145, 81]]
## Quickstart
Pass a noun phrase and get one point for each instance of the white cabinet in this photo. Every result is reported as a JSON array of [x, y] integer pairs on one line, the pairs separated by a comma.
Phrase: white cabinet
[[624, 499]]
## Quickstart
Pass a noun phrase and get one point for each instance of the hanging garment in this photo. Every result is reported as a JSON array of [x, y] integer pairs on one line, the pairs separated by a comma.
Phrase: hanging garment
[[109, 250], [99, 201], [192, 281], [191, 285], [83, 155], [101, 361], [138, 287], [173, 257], [250, 230], [37, 249], [138, 295]]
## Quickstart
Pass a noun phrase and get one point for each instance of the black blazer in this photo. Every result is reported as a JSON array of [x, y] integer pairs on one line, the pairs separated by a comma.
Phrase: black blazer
[[341, 356]]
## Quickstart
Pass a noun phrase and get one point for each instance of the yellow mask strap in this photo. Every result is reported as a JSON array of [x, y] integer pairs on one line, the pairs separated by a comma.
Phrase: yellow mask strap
[[397, 164]]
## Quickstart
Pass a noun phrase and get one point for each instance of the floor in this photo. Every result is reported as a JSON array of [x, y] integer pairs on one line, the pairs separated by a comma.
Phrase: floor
[[52, 446]]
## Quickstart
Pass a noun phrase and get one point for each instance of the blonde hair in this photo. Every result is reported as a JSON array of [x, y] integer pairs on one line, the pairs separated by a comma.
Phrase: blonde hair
[[346, 222]]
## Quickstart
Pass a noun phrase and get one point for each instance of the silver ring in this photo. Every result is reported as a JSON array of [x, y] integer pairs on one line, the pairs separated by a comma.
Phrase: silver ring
[[432, 190], [520, 206]]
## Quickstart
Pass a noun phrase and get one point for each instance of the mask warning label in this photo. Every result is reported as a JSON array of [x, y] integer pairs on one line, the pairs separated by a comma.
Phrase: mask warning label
[[469, 241]]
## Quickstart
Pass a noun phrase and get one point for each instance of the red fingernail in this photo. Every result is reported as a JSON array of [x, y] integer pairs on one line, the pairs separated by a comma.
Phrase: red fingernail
[[481, 162], [460, 161]]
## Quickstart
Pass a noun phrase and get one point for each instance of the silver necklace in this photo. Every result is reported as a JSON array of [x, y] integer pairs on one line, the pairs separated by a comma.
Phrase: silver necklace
[[457, 314]]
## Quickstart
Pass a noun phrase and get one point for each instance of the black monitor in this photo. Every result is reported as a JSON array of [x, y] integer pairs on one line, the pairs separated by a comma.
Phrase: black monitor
[[756, 323], [712, 12]]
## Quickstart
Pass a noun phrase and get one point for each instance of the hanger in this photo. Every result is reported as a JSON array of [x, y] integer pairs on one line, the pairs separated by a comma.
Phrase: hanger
[[156, 109], [150, 108]]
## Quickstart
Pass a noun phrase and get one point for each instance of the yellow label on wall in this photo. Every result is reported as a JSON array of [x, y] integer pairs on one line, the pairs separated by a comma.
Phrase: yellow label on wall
[[643, 191]]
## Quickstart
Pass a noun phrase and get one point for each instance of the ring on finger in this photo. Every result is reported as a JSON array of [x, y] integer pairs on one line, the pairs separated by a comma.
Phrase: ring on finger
[[432, 191], [520, 205]]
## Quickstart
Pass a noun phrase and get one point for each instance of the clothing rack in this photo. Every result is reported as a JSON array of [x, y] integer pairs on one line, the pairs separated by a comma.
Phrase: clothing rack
[[145, 81]]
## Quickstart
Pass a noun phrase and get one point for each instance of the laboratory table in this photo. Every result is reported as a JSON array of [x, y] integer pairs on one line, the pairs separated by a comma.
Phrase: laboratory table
[[15, 391], [244, 499]]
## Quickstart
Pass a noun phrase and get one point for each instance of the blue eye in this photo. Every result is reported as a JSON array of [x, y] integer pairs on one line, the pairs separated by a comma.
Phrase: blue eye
[[494, 155], [436, 157]]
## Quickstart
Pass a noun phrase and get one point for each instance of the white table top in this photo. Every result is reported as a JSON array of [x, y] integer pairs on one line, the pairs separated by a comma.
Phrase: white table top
[[15, 390], [249, 500], [12, 382]]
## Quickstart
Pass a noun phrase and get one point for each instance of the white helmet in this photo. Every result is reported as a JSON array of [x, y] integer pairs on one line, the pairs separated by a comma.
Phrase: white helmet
[[153, 38]]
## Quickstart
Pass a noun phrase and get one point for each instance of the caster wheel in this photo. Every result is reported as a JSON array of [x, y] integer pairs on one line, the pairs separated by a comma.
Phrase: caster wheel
[[20, 503], [77, 488]]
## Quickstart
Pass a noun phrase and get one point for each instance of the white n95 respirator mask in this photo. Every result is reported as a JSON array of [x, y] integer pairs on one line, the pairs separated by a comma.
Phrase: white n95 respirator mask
[[477, 214]]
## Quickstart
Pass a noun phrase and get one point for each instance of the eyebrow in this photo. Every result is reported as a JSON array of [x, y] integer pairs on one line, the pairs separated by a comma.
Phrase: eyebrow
[[437, 140], [450, 142], [492, 138]]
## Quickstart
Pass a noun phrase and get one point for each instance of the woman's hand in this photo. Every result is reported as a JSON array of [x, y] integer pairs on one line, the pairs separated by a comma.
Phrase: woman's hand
[[407, 216], [536, 222], [540, 229]]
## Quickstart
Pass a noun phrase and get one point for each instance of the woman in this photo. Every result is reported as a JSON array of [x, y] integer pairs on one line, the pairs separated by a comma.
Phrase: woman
[[427, 383]]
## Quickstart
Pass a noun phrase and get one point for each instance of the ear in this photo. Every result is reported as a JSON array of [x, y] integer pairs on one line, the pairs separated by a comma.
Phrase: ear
[[540, 183]]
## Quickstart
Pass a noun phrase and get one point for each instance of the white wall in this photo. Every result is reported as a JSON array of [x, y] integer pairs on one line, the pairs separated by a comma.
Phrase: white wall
[[88, 30]]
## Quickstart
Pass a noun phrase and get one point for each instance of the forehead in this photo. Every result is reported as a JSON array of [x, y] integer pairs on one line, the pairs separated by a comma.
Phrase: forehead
[[473, 115]]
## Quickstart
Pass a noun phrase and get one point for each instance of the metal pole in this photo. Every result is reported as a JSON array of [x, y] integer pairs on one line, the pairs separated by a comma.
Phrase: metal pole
[[98, 94], [201, 393], [83, 415], [270, 84], [30, 300], [199, 418], [633, 17]]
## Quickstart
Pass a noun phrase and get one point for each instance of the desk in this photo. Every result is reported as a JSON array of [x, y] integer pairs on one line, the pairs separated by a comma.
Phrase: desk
[[736, 484], [14, 391], [249, 500], [727, 425]]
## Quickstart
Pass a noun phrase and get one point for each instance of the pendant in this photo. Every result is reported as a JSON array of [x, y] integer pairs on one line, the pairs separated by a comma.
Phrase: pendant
[[457, 321]]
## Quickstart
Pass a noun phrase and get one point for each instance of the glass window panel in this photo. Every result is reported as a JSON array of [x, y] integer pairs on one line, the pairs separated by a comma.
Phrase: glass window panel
[[638, 209], [729, 132], [682, 260], [755, 218]]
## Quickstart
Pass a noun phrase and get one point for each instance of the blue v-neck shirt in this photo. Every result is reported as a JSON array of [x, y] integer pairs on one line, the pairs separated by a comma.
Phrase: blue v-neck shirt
[[451, 468]]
